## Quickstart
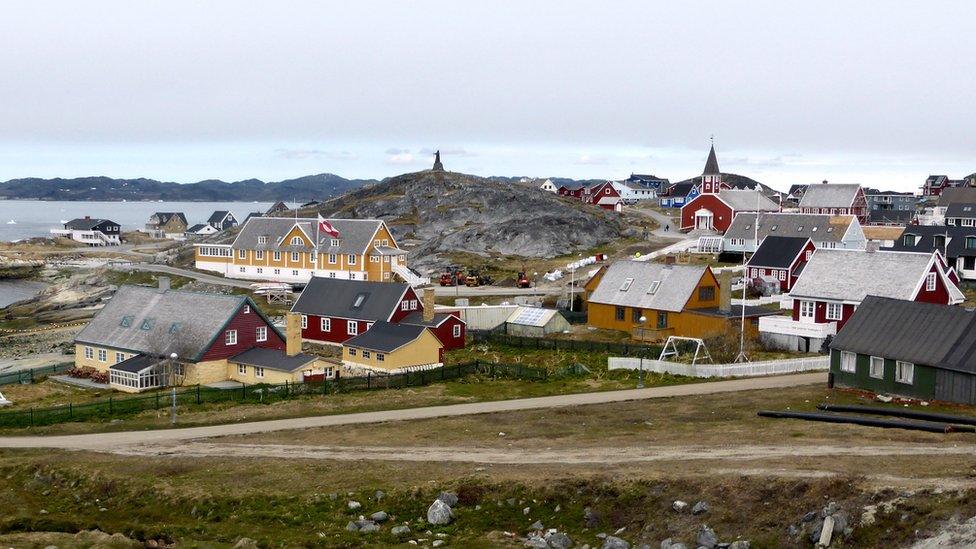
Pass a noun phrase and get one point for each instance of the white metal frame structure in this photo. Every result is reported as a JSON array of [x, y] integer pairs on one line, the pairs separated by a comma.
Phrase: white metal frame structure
[[670, 349]]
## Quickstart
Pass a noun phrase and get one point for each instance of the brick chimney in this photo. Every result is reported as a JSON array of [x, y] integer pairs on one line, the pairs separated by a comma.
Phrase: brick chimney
[[164, 284], [670, 259], [293, 334], [428, 301], [725, 291]]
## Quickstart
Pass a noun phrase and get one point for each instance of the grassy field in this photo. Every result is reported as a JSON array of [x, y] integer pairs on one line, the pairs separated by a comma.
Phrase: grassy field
[[291, 502]]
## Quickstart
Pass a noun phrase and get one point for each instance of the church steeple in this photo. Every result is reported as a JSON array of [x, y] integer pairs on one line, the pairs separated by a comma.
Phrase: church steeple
[[711, 182], [438, 167]]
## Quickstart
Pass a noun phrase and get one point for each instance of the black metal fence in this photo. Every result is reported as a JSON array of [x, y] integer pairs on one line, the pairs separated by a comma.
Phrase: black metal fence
[[623, 349], [28, 376], [197, 395]]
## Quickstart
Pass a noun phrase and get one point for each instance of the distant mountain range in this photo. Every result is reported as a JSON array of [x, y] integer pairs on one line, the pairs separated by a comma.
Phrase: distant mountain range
[[311, 187]]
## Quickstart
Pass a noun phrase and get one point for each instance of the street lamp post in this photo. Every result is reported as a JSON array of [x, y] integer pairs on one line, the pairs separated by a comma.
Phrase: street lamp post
[[172, 369], [640, 368]]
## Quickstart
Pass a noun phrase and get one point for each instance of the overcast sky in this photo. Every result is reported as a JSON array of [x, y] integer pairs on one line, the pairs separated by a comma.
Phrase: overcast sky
[[881, 93]]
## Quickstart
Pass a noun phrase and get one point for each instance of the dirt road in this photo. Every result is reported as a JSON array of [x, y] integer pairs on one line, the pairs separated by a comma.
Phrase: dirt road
[[115, 441]]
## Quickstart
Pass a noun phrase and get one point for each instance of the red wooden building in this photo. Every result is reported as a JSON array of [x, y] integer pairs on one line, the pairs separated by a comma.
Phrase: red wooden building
[[335, 310], [780, 259]]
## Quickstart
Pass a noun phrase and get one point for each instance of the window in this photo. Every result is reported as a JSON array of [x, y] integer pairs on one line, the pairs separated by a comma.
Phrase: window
[[258, 372], [334, 243], [126, 321], [294, 272], [782, 275], [806, 309], [904, 372], [260, 270], [277, 256], [296, 241], [352, 327], [369, 325], [971, 242], [930, 282], [877, 367], [261, 333], [809, 254], [147, 324], [366, 354], [352, 352], [241, 254], [247, 309], [333, 258], [404, 305], [967, 222], [242, 269], [626, 285], [242, 369], [304, 322], [89, 353], [706, 293], [655, 284], [102, 355], [262, 240], [259, 254], [351, 259], [380, 357], [376, 243], [175, 327], [295, 257], [230, 337], [277, 271], [848, 362], [620, 313], [662, 320], [119, 357], [834, 311], [413, 304], [386, 242], [325, 324], [358, 302], [635, 315], [456, 332]]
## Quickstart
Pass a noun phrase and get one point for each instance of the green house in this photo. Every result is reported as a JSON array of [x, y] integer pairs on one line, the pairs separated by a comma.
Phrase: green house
[[909, 349]]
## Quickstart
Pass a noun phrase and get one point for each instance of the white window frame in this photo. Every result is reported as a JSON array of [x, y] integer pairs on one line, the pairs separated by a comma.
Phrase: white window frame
[[804, 313], [89, 353], [261, 334], [119, 357], [351, 259], [848, 362], [294, 272], [413, 304], [833, 308], [325, 324], [230, 337], [258, 372], [404, 305], [241, 254], [333, 259], [930, 282], [297, 241], [456, 330], [366, 354], [352, 327], [277, 256], [295, 257], [782, 275], [242, 369], [904, 372], [873, 371], [259, 254], [304, 321], [247, 309], [102, 355]]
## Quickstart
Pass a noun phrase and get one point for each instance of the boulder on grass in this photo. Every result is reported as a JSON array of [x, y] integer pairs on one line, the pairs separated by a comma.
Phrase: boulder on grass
[[439, 513]]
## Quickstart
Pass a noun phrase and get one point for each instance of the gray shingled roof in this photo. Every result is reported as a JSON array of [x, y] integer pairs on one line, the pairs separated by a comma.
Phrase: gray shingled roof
[[273, 359], [334, 297], [961, 209], [952, 243], [218, 216], [743, 200], [164, 217], [83, 224], [920, 333], [957, 194], [819, 228], [850, 275], [150, 315], [385, 337], [829, 195], [354, 234], [675, 285], [197, 227], [778, 251]]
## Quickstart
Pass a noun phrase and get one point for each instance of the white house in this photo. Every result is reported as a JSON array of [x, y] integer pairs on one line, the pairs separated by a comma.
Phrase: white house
[[549, 186], [93, 232], [631, 193], [826, 231]]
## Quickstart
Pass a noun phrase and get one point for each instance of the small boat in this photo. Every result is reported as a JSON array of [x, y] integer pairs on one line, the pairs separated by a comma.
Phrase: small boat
[[11, 222]]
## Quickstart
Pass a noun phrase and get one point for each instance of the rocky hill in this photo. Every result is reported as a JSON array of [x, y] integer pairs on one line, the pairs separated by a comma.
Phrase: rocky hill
[[311, 187], [438, 213]]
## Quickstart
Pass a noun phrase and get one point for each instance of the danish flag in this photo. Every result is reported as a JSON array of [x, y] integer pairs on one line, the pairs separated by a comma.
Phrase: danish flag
[[327, 227]]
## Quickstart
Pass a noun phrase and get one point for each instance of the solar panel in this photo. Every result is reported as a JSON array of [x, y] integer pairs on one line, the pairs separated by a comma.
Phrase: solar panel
[[531, 316]]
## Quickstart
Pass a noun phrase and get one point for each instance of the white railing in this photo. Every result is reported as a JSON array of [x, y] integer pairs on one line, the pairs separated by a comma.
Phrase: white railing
[[787, 326], [748, 369], [761, 300], [409, 276]]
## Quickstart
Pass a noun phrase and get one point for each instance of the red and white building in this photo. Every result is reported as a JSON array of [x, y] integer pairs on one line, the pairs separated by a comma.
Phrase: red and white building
[[834, 282], [780, 259], [335, 310], [835, 199], [716, 204]]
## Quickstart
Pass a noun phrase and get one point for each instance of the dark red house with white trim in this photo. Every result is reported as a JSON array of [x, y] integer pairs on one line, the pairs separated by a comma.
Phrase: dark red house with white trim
[[780, 258], [335, 310]]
